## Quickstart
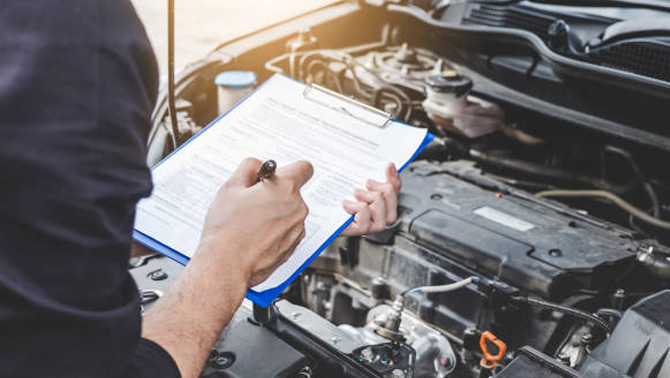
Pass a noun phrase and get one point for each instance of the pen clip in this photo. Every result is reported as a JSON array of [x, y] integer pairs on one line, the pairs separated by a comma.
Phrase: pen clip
[[360, 111]]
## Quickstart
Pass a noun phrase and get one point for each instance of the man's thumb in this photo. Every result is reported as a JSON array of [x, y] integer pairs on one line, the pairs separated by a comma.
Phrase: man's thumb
[[246, 172], [300, 172]]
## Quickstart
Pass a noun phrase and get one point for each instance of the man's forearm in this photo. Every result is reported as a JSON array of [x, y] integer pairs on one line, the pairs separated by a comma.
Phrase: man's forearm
[[249, 230], [188, 319]]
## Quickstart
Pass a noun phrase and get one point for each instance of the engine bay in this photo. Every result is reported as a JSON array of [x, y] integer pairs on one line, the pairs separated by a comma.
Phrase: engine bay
[[531, 234]]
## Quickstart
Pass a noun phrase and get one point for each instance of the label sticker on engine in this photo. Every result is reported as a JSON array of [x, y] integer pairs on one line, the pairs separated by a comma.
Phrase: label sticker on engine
[[504, 219]]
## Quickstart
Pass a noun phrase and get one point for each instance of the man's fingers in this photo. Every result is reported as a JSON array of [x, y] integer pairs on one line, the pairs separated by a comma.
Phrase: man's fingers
[[377, 206], [299, 172], [287, 246], [393, 177], [354, 208], [294, 244], [390, 197], [370, 218], [292, 238], [362, 219], [246, 172], [365, 196]]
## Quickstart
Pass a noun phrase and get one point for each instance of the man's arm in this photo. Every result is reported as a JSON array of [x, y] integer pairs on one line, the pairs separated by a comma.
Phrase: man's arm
[[249, 231]]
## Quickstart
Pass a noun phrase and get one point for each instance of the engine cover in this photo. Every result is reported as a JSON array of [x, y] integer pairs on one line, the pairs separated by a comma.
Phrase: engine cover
[[536, 246]]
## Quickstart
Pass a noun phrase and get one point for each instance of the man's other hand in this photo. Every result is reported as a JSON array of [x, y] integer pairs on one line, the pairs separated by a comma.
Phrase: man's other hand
[[252, 227], [377, 207]]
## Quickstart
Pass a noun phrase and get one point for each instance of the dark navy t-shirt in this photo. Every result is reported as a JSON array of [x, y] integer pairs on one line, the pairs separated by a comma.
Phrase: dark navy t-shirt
[[78, 81]]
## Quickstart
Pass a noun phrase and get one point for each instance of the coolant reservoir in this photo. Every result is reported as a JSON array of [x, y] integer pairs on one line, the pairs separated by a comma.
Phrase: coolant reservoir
[[446, 94], [232, 87], [450, 106]]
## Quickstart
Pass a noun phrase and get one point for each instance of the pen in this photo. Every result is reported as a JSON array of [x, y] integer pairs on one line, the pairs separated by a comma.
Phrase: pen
[[267, 170]]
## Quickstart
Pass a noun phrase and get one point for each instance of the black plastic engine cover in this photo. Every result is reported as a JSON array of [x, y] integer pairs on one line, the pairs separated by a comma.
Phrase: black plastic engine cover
[[640, 344], [525, 244]]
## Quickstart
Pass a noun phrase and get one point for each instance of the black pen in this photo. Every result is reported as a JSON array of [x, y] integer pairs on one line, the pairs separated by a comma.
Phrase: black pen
[[267, 170]]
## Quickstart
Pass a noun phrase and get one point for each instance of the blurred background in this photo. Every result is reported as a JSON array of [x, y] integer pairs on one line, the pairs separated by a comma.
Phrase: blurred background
[[201, 25]]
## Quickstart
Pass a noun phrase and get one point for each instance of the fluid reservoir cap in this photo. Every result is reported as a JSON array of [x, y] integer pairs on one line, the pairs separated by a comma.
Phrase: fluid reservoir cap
[[236, 79], [449, 82]]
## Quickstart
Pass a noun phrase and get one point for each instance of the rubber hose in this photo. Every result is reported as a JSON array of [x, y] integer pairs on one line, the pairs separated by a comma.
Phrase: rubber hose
[[568, 311]]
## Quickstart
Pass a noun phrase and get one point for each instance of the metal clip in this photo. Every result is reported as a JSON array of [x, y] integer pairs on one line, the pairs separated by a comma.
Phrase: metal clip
[[362, 112]]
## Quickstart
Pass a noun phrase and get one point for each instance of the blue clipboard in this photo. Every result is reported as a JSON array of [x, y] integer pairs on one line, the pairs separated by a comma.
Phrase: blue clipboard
[[264, 298]]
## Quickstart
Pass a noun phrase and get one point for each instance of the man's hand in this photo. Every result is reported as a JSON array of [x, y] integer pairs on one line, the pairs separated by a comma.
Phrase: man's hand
[[377, 207], [250, 229], [256, 228]]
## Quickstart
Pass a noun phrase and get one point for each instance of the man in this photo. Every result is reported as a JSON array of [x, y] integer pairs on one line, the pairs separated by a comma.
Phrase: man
[[78, 82]]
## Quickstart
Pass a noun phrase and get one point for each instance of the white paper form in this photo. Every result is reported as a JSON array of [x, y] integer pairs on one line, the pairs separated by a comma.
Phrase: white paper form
[[278, 123]]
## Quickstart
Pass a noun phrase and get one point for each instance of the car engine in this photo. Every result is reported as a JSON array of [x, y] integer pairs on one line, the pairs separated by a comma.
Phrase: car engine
[[531, 234]]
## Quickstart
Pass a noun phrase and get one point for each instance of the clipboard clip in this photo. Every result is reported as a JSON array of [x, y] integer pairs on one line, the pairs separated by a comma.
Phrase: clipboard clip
[[349, 106]]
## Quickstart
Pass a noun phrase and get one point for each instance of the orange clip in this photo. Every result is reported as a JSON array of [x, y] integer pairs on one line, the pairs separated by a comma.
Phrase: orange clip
[[489, 360]]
